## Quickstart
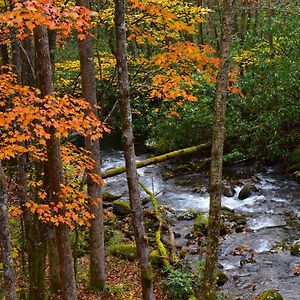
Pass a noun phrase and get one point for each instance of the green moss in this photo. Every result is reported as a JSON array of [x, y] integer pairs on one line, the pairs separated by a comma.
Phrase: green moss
[[155, 258], [201, 223], [270, 295], [121, 208], [148, 275], [124, 250]]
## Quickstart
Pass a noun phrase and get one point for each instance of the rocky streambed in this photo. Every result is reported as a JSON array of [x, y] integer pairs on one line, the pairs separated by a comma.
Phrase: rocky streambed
[[256, 254]]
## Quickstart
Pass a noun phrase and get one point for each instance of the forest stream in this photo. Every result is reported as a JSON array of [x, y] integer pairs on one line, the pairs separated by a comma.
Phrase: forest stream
[[254, 260]]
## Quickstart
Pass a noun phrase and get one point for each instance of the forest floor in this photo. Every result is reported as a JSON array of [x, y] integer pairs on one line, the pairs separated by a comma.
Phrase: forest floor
[[123, 282]]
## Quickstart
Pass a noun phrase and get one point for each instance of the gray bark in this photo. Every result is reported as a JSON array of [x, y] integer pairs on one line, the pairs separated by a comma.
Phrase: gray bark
[[96, 231], [212, 249], [5, 245], [129, 152]]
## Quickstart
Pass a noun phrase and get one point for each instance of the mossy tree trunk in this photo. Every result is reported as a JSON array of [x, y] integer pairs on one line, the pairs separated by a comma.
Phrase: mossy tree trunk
[[212, 249], [129, 152], [156, 159], [96, 231]]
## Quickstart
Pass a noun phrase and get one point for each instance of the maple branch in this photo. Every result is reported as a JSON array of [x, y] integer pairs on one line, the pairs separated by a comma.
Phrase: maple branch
[[27, 58]]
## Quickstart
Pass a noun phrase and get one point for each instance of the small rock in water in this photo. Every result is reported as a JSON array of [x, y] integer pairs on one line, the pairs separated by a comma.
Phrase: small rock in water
[[247, 191], [295, 249], [228, 190]]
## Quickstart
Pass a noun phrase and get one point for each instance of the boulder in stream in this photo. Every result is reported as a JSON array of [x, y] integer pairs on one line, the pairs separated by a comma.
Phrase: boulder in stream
[[247, 191], [270, 295]]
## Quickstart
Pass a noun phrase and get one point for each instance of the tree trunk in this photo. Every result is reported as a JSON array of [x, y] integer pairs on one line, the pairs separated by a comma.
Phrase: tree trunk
[[5, 245], [156, 159], [45, 84], [128, 144], [212, 249], [96, 231]]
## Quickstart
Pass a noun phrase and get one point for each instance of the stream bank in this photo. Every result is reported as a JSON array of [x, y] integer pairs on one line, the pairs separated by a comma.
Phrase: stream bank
[[255, 259]]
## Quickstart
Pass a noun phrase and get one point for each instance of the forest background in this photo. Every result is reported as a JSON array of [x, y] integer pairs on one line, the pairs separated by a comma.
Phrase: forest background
[[173, 60]]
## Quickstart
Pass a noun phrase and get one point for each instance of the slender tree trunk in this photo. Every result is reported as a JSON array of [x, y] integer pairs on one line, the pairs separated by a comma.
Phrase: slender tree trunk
[[45, 83], [4, 54], [96, 231], [35, 231], [128, 143], [212, 250], [5, 245]]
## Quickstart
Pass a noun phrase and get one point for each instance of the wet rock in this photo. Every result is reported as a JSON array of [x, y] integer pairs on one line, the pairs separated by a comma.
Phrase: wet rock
[[247, 191], [188, 215], [121, 208], [222, 278], [177, 235], [228, 190], [295, 249], [270, 295], [189, 236], [238, 219]]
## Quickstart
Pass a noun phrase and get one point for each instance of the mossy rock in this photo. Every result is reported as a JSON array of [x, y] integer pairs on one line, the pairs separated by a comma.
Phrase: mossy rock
[[238, 219], [270, 295], [190, 214], [247, 191], [295, 249], [124, 251], [155, 258], [109, 197], [201, 223], [222, 278], [121, 208]]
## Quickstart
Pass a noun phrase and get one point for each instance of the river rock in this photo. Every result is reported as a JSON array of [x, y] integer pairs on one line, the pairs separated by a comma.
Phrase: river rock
[[270, 295], [295, 249], [121, 208], [228, 190], [190, 214], [247, 191], [222, 278]]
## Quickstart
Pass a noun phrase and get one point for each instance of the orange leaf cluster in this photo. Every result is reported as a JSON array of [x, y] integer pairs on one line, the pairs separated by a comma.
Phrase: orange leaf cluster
[[178, 63], [24, 123], [29, 14]]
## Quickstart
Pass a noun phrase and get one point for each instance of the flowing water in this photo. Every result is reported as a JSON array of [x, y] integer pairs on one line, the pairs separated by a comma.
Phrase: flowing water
[[271, 265]]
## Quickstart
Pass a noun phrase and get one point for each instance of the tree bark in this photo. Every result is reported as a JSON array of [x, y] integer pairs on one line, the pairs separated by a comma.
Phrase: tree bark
[[129, 152], [212, 249], [45, 84], [155, 159], [96, 231], [5, 245]]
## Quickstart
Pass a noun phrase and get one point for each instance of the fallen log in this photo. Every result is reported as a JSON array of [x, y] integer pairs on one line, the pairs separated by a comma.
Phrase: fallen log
[[160, 245], [156, 159]]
